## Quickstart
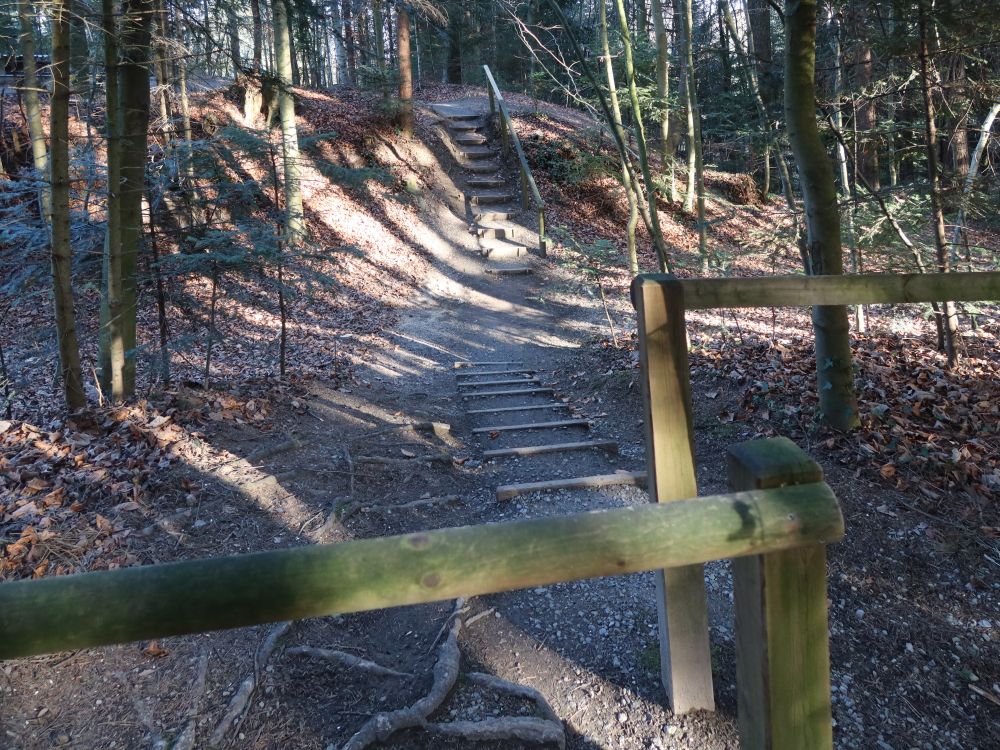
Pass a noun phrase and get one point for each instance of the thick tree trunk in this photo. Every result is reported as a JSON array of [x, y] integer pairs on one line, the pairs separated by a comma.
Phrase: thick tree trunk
[[62, 252], [662, 91], [32, 107], [295, 214], [405, 71], [970, 177], [112, 343], [347, 21], [759, 38], [133, 111], [831, 329], [235, 53], [927, 76], [609, 72], [456, 31]]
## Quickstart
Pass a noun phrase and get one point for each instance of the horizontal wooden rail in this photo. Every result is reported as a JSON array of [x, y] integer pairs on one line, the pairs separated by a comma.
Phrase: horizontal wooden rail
[[510, 137], [71, 612], [869, 289]]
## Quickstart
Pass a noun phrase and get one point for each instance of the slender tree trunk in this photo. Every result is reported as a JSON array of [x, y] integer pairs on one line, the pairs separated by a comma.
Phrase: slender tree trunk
[[339, 50], [609, 72], [970, 177], [133, 107], [161, 69], [662, 79], [33, 112], [696, 176], [235, 53], [295, 213], [347, 19], [258, 34], [927, 75], [845, 184], [62, 252], [112, 342], [405, 71], [377, 22], [686, 85], [830, 325], [640, 136]]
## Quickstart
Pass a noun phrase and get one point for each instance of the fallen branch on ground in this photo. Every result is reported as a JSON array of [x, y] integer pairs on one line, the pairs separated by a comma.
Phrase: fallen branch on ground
[[354, 508], [292, 443], [348, 660], [444, 458], [440, 429]]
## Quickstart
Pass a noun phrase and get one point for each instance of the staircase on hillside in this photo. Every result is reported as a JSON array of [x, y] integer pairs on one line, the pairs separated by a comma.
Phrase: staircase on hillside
[[490, 202]]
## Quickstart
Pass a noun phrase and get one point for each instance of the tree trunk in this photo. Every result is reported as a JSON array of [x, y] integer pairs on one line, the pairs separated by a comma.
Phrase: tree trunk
[[761, 49], [112, 343], [860, 322], [133, 111], [235, 53], [927, 76], [696, 178], [455, 34], [640, 136], [347, 19], [662, 82], [686, 55], [970, 177], [295, 213], [33, 112], [258, 34], [62, 252], [960, 103], [609, 71], [405, 71], [824, 255]]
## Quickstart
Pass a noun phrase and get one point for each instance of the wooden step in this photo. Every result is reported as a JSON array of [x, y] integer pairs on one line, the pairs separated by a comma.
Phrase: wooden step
[[509, 270], [485, 182], [492, 215], [631, 478], [503, 249], [481, 167], [477, 153], [516, 392], [494, 372], [496, 363], [470, 139], [465, 126], [502, 409], [536, 450], [511, 381], [487, 198], [494, 233], [534, 426]]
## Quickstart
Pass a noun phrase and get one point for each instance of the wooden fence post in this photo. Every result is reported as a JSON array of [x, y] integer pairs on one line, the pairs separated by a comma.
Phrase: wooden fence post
[[685, 658], [782, 640]]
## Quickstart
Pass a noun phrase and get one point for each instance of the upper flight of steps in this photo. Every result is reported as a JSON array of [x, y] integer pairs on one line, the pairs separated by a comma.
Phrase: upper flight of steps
[[491, 203]]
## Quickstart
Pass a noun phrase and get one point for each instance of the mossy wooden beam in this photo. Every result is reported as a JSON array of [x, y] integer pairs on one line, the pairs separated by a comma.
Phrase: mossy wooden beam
[[71, 612], [869, 289], [782, 640]]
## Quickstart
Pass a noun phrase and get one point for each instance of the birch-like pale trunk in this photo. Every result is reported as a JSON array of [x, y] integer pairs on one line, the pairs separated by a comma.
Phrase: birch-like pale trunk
[[294, 212], [970, 176], [834, 377], [62, 251], [32, 107]]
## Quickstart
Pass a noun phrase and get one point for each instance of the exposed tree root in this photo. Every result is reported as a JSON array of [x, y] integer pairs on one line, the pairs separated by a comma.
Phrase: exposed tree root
[[509, 728], [348, 660], [383, 725], [530, 729], [354, 508], [444, 458], [233, 715], [292, 443], [186, 739]]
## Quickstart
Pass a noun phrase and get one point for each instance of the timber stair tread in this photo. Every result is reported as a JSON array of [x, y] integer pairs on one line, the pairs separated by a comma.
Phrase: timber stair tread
[[514, 392], [495, 372], [630, 478], [510, 270], [528, 379], [507, 409], [584, 423], [609, 446], [493, 363], [503, 248]]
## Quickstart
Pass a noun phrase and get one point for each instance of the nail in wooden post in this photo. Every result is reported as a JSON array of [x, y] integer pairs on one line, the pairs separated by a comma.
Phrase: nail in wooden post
[[685, 658], [782, 640]]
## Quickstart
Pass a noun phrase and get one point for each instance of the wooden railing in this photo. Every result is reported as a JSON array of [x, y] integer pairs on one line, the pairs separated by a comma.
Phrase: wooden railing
[[776, 526], [686, 670], [529, 190]]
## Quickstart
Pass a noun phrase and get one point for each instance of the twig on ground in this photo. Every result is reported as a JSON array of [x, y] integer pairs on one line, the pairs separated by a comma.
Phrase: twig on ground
[[348, 660], [292, 443], [444, 458], [353, 508], [383, 725], [233, 715]]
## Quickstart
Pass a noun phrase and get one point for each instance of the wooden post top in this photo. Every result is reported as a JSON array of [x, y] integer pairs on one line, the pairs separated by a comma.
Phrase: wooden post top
[[769, 463]]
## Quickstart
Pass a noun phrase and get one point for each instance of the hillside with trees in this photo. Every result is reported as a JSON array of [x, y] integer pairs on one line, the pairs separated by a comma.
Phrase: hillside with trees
[[252, 250]]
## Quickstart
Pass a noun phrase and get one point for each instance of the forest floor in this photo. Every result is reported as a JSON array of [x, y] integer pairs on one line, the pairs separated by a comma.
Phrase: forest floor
[[914, 588]]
